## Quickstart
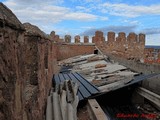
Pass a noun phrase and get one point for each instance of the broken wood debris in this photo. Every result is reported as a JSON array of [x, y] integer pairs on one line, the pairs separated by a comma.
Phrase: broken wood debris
[[95, 58], [125, 82], [100, 65], [62, 102]]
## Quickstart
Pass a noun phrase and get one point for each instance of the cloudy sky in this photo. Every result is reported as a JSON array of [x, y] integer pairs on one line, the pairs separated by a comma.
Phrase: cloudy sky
[[84, 17]]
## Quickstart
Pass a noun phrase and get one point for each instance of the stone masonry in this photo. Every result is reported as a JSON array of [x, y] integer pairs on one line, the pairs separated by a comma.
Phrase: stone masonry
[[11, 65], [54, 37], [130, 47], [86, 39], [67, 38], [152, 55], [28, 60], [27, 64], [77, 39]]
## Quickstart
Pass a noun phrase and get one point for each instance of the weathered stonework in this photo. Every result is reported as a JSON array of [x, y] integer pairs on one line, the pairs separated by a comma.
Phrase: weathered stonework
[[54, 37], [67, 38], [11, 65], [26, 68], [70, 50], [86, 39], [152, 55], [98, 38], [130, 47], [77, 39], [28, 60], [111, 38], [93, 39], [39, 71], [52, 34]]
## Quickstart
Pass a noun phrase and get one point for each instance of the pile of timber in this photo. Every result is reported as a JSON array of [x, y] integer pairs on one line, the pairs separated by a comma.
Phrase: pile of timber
[[62, 102]]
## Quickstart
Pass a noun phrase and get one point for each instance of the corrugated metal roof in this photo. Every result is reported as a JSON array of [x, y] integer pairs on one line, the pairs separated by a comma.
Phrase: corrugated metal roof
[[85, 90]]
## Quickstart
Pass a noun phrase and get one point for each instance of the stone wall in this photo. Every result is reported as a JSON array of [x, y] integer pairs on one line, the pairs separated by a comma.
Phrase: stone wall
[[37, 63], [67, 38], [152, 56], [27, 64], [11, 65], [86, 39], [77, 39], [130, 47], [65, 51]]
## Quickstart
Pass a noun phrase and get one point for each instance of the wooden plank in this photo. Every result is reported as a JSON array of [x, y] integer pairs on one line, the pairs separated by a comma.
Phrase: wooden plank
[[96, 111], [125, 82], [154, 98]]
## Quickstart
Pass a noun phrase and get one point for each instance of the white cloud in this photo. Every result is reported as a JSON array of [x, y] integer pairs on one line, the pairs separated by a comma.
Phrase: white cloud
[[34, 2], [103, 18], [80, 16], [134, 22], [152, 39], [86, 1], [48, 12], [121, 9], [83, 9], [151, 31], [116, 29]]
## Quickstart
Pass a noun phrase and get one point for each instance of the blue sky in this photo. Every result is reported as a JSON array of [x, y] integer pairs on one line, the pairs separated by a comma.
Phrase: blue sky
[[84, 17]]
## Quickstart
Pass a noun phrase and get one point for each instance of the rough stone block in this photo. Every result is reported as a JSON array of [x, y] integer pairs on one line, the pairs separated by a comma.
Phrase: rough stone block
[[77, 39], [86, 39], [111, 37], [67, 38]]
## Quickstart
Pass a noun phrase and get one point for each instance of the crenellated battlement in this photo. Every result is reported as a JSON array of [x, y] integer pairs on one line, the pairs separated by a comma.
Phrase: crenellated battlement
[[131, 46]]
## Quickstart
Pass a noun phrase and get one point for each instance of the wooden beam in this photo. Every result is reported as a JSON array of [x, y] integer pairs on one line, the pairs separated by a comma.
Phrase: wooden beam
[[95, 110], [154, 98]]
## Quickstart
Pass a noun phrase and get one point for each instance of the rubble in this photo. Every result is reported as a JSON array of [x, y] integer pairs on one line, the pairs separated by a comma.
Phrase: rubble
[[100, 65]]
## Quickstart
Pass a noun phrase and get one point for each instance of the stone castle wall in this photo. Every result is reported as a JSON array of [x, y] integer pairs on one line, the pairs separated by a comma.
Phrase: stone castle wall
[[28, 61], [152, 55], [65, 51], [27, 64], [128, 46]]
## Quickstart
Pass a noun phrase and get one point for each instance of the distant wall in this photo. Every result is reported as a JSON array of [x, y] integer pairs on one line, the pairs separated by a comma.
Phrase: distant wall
[[65, 51], [128, 46], [152, 55]]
